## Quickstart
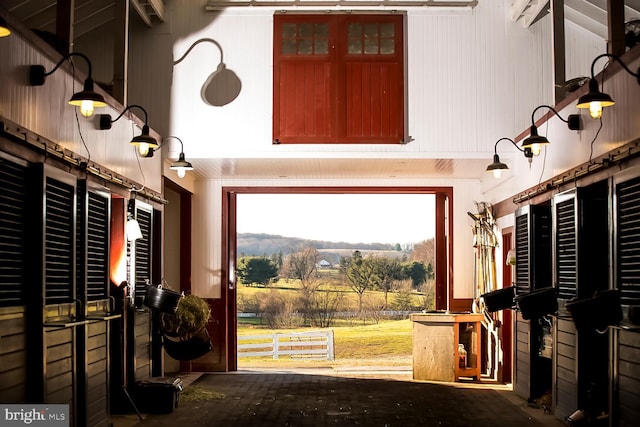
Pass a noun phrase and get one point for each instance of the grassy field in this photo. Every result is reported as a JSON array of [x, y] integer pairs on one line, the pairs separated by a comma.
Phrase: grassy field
[[387, 343], [357, 342], [349, 297]]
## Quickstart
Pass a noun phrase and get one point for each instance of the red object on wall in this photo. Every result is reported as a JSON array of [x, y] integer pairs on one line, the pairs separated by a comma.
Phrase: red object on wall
[[338, 79]]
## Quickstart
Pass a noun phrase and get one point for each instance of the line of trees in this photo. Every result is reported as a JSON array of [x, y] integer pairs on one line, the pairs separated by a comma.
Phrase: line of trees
[[318, 300]]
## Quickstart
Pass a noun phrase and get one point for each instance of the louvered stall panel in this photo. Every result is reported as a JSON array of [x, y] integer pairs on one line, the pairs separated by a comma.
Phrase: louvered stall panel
[[628, 245], [627, 393], [522, 254], [14, 194], [540, 255], [142, 253], [533, 271], [97, 260], [140, 321], [565, 248], [93, 233], [59, 289], [522, 359], [592, 361], [565, 393], [59, 242], [13, 232]]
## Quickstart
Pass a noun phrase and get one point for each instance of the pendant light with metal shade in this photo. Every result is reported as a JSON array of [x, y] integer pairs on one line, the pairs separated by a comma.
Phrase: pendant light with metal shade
[[87, 99], [144, 142], [595, 100], [535, 142], [497, 167], [181, 166]]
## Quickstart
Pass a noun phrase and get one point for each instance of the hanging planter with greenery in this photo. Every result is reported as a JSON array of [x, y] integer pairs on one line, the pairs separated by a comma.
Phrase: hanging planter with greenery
[[191, 315], [184, 331]]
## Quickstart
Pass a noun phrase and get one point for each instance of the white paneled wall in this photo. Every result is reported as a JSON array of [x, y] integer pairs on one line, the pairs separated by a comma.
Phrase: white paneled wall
[[473, 76], [45, 111], [582, 47], [206, 257]]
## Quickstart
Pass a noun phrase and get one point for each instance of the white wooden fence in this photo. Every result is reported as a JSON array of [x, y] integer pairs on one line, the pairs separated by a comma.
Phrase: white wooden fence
[[303, 345]]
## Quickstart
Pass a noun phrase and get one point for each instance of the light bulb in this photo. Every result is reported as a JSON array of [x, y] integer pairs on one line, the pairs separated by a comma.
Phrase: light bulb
[[143, 149], [132, 229], [535, 149], [181, 172], [595, 109], [86, 108], [497, 173]]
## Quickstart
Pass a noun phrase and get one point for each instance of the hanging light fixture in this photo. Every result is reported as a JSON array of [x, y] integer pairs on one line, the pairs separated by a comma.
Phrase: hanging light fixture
[[144, 142], [86, 100], [535, 142], [222, 86], [497, 167], [181, 166], [5, 31], [595, 100]]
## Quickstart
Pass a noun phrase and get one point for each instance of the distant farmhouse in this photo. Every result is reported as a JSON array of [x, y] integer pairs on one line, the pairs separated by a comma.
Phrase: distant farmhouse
[[324, 264]]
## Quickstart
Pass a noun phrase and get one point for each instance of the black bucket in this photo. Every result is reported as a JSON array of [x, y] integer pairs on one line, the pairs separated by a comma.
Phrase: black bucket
[[162, 299], [596, 312], [499, 299], [535, 304]]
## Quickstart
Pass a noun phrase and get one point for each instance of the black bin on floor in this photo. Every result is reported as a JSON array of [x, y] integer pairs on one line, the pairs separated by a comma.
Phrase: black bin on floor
[[157, 395]]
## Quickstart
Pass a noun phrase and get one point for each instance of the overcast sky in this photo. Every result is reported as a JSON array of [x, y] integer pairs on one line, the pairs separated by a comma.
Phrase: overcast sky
[[353, 218]]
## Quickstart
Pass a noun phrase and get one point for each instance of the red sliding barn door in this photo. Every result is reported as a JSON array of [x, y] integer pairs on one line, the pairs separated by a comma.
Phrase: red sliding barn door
[[338, 79]]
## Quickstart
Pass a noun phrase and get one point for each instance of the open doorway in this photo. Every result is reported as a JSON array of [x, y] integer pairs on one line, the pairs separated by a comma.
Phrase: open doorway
[[233, 199], [345, 268]]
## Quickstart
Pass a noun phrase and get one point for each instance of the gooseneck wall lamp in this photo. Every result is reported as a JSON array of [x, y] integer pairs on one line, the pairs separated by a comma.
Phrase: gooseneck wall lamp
[[497, 167], [223, 85], [595, 100], [535, 141], [181, 166], [145, 142], [87, 99]]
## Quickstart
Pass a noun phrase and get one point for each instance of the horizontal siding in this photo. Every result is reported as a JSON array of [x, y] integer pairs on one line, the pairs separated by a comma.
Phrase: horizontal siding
[[13, 371], [97, 371], [629, 378], [142, 345], [59, 369], [522, 382]]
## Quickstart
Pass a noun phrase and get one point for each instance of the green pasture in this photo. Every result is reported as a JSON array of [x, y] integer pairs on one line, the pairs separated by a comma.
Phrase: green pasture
[[387, 343]]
